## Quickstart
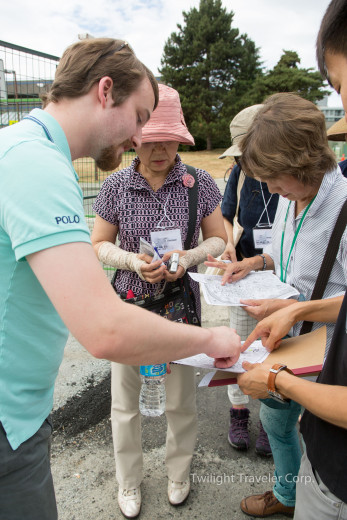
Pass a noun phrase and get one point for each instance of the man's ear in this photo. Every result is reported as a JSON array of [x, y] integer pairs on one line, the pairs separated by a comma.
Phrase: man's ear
[[105, 91]]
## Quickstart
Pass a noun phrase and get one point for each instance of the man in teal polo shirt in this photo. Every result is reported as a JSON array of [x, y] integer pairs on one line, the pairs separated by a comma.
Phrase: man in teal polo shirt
[[101, 97]]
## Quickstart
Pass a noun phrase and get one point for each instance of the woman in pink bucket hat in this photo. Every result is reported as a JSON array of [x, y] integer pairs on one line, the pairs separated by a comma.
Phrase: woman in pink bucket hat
[[150, 200]]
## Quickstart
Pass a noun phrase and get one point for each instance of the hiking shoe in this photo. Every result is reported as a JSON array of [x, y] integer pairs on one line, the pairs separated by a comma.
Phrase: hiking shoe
[[262, 445], [264, 505], [238, 435]]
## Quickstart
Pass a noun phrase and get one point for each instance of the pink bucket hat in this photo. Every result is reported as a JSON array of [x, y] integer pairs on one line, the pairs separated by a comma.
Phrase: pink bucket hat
[[167, 121]]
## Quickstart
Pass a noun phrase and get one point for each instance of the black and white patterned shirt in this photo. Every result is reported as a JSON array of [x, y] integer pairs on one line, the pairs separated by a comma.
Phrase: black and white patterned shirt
[[127, 201]]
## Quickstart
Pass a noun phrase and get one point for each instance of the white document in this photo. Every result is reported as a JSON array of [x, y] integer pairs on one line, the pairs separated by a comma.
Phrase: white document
[[167, 240], [257, 285], [256, 353]]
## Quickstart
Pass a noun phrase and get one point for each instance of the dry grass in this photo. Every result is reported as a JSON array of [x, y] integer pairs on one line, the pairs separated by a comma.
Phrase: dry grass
[[206, 160]]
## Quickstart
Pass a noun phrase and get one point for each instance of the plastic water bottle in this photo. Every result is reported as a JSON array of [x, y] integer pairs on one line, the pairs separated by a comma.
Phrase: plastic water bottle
[[152, 395]]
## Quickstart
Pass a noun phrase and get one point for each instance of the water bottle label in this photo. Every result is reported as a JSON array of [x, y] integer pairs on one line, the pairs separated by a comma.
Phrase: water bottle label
[[153, 370]]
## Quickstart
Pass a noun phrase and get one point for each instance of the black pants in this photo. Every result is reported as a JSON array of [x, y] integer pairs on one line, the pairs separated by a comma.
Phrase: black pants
[[26, 485]]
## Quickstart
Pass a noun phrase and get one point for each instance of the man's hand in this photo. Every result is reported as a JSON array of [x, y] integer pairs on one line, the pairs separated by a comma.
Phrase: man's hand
[[260, 309], [224, 346], [234, 271], [153, 272], [254, 381]]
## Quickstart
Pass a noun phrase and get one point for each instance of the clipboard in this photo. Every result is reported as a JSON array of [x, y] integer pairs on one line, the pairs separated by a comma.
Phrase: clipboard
[[304, 355]]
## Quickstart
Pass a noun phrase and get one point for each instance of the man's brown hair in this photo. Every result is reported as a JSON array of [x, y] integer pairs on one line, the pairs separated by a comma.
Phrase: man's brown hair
[[287, 137], [84, 63]]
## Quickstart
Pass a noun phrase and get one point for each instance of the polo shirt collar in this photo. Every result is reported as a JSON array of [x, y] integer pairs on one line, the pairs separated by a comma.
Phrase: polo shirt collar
[[55, 130], [138, 182]]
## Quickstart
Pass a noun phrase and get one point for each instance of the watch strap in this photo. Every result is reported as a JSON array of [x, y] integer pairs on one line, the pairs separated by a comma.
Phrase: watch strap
[[274, 370]]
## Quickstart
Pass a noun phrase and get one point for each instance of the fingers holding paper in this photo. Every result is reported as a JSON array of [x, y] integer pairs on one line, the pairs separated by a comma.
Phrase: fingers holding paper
[[153, 272]]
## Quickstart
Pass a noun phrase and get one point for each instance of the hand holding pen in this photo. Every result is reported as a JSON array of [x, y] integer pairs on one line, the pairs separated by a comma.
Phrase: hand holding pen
[[152, 271]]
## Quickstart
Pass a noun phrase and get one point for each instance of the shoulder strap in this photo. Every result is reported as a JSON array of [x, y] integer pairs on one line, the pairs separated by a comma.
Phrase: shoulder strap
[[328, 262], [240, 184], [193, 206]]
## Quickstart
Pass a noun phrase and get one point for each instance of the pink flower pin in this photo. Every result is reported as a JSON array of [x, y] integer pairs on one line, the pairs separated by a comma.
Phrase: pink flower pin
[[188, 180]]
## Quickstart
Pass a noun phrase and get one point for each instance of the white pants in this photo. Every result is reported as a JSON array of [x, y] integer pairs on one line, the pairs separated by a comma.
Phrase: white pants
[[243, 324], [126, 423]]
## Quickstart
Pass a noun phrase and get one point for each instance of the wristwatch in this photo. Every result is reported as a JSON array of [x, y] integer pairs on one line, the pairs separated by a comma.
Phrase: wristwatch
[[271, 387]]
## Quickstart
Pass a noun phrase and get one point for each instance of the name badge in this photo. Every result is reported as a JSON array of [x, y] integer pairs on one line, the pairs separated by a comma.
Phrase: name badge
[[262, 237], [167, 240]]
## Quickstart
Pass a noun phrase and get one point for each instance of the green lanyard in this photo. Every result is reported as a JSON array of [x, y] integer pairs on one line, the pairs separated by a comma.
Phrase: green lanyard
[[284, 276]]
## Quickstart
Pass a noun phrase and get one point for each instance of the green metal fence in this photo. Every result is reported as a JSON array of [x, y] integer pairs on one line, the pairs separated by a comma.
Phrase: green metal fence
[[24, 75]]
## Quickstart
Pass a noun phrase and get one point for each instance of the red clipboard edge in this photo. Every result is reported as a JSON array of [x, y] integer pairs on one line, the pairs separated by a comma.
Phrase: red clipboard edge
[[300, 372]]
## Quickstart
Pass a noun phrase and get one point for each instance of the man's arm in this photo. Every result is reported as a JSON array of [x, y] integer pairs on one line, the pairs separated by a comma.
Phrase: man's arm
[[326, 401], [111, 329]]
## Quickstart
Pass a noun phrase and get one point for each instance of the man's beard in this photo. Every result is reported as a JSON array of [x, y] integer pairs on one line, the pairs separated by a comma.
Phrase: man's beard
[[108, 159]]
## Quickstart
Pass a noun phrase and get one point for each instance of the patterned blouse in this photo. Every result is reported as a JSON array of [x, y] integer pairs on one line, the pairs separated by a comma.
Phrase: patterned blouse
[[127, 201]]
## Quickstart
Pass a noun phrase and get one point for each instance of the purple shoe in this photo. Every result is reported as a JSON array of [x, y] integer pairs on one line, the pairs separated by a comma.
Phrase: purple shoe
[[238, 435], [262, 445]]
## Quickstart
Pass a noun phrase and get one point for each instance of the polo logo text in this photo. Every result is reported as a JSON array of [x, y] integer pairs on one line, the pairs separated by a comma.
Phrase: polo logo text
[[67, 219]]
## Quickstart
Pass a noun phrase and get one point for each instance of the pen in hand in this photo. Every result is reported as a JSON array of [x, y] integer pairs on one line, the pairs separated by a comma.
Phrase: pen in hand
[[159, 255]]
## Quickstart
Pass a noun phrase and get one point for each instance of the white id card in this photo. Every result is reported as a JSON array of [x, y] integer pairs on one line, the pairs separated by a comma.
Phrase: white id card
[[262, 237], [167, 240]]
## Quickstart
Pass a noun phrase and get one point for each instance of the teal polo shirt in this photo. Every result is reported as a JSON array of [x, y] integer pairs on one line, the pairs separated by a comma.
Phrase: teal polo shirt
[[41, 206]]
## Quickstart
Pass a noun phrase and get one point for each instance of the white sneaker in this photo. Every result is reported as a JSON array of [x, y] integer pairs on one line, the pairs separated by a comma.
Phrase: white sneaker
[[129, 501], [178, 491]]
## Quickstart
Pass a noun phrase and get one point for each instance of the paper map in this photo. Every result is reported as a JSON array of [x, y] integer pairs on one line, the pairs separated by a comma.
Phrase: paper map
[[256, 285], [256, 353]]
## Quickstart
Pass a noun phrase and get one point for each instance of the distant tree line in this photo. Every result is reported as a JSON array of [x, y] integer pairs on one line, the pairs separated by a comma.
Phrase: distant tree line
[[218, 72]]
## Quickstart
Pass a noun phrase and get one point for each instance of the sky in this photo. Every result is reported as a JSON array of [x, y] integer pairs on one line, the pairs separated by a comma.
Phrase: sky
[[274, 25]]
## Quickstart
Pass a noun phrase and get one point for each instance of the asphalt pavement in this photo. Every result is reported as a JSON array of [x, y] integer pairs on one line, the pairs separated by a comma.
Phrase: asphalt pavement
[[82, 453]]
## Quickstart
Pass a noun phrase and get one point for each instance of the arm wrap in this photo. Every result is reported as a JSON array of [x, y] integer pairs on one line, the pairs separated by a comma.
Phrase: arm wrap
[[110, 254], [213, 246]]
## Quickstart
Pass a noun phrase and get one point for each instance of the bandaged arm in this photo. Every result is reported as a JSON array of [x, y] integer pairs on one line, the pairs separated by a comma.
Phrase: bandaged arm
[[213, 246], [112, 255]]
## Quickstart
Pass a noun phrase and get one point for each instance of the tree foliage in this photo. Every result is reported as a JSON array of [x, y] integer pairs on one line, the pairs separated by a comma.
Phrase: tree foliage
[[286, 76], [218, 72], [210, 65]]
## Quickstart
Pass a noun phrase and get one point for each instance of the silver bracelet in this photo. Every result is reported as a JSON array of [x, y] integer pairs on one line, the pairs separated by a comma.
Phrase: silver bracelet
[[264, 260]]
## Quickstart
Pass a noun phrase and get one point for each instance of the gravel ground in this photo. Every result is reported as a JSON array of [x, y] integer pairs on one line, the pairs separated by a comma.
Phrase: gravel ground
[[82, 453], [84, 471]]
